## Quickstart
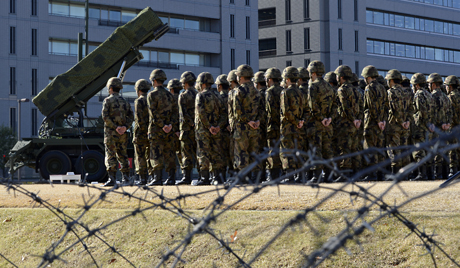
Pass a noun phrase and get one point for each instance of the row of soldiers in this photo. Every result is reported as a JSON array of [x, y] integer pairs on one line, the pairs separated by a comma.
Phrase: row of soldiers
[[219, 130]]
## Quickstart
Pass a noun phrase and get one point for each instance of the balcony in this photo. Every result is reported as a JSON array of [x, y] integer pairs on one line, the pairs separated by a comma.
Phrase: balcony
[[156, 64], [266, 23], [111, 23], [267, 53]]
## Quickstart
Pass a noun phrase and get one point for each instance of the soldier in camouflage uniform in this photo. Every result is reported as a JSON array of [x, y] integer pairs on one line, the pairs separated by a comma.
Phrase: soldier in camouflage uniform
[[208, 119], [233, 81], [187, 126], [421, 106], [406, 138], [302, 85], [398, 117], [223, 88], [357, 144], [349, 116], [261, 86], [162, 130], [175, 87], [320, 101], [118, 117], [141, 127], [272, 107], [452, 84], [247, 117], [292, 119], [329, 137], [375, 109], [442, 119]]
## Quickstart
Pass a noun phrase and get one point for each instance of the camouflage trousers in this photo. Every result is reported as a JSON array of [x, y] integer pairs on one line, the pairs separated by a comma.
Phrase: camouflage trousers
[[176, 144], [327, 150], [438, 159], [395, 138], [374, 138], [226, 149], [141, 156], [345, 137], [162, 153], [273, 161], [116, 151], [315, 137], [419, 136], [289, 142], [245, 146], [405, 140], [209, 152], [188, 149]]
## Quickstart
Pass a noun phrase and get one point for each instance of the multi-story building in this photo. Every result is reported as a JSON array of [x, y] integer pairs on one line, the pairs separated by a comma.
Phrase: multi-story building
[[408, 35], [205, 35]]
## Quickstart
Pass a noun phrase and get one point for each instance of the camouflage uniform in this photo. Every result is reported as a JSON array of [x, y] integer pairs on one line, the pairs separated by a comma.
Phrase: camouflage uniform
[[231, 121], [291, 108], [116, 112], [421, 105], [175, 86], [140, 133], [226, 135], [357, 144], [454, 97], [330, 151], [302, 85], [408, 94], [259, 78]]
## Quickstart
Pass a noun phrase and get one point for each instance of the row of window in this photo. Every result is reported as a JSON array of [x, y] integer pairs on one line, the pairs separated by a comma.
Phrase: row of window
[[412, 51], [232, 27], [33, 10], [410, 22], [14, 123], [446, 3], [12, 44], [13, 82]]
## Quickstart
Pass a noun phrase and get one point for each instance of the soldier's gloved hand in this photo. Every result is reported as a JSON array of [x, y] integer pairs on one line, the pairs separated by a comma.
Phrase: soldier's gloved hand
[[381, 126]]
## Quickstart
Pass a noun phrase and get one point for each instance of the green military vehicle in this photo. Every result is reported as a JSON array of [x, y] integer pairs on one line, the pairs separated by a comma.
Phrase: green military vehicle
[[68, 140]]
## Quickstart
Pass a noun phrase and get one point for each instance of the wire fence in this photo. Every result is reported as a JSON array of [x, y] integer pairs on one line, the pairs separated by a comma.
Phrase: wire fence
[[358, 221]]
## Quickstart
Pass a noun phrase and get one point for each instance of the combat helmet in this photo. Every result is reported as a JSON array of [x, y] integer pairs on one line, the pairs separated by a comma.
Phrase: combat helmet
[[158, 74], [290, 73], [451, 80], [393, 74], [317, 67], [258, 77], [232, 76], [222, 80], [273, 73], [174, 84], [205, 78], [343, 71], [142, 85], [330, 77], [434, 78], [303, 73], [369, 71], [114, 82], [417, 79], [381, 80], [187, 77], [244, 70]]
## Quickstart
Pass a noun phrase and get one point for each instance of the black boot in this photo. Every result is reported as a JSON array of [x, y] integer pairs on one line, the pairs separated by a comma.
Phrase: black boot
[[327, 175], [171, 180], [142, 179], [204, 180], [217, 178], [452, 171], [421, 174], [317, 178], [380, 176], [187, 177], [289, 179], [445, 172], [157, 178], [370, 177], [429, 173], [112, 180], [126, 179], [437, 172]]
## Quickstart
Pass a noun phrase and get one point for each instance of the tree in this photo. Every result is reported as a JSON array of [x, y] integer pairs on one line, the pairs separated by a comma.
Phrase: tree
[[7, 141]]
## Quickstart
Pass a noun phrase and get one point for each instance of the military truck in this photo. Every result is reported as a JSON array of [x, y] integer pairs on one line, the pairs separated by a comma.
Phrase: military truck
[[69, 140]]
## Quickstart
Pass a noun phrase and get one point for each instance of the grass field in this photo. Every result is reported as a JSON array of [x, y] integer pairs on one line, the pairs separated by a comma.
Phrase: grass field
[[28, 232]]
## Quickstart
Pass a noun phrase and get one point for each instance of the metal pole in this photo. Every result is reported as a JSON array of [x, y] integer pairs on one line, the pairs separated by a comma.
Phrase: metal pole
[[80, 46], [19, 133], [86, 28]]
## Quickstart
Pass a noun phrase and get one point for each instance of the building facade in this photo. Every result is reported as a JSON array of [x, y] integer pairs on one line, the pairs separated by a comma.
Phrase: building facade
[[409, 35]]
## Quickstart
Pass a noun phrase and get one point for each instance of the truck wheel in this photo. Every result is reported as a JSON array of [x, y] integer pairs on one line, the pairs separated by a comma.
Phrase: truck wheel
[[54, 162], [93, 164]]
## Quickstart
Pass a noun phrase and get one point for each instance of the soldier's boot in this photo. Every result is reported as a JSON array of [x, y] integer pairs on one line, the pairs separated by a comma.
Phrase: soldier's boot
[[380, 176], [317, 178], [421, 173], [371, 177], [187, 177], [327, 175], [452, 171], [217, 178], [289, 179], [126, 179], [112, 179], [311, 176], [273, 174], [204, 180], [171, 180], [341, 178], [437, 172], [142, 179], [429, 173], [157, 178], [394, 170], [223, 175], [445, 171]]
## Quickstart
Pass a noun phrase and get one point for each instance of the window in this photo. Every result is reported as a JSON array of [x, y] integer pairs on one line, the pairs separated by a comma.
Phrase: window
[[306, 38], [232, 1], [369, 16], [340, 39], [267, 17], [356, 10], [339, 9], [12, 80], [306, 62], [127, 15], [248, 57], [34, 122], [13, 123], [34, 8], [288, 63], [370, 46], [12, 40], [267, 47], [306, 9], [232, 25], [288, 41], [288, 10], [34, 42], [356, 41], [34, 82], [248, 2], [357, 67], [340, 62], [248, 28], [232, 58], [12, 6]]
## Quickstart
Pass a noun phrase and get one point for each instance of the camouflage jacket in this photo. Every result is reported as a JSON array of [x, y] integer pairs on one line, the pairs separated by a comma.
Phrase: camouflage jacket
[[175, 113], [231, 120], [187, 110], [291, 107], [208, 108], [335, 105], [421, 105], [408, 99], [141, 119], [161, 112], [223, 122], [306, 109], [375, 104], [262, 111], [396, 106], [116, 112], [320, 99], [246, 104], [272, 107], [454, 97], [224, 97], [360, 92], [442, 108], [348, 108]]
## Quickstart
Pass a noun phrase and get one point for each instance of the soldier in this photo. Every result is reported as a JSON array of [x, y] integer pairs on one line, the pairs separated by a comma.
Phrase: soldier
[[141, 127], [329, 137], [357, 144], [375, 107], [303, 144], [442, 119], [292, 119], [261, 86], [398, 117], [272, 107], [175, 87], [161, 130], [421, 106], [452, 84], [223, 87], [233, 81], [118, 117], [349, 117], [408, 99], [208, 118], [320, 102], [187, 126]]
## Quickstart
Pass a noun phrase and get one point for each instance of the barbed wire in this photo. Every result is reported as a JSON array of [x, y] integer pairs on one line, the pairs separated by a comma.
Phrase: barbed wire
[[150, 199]]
